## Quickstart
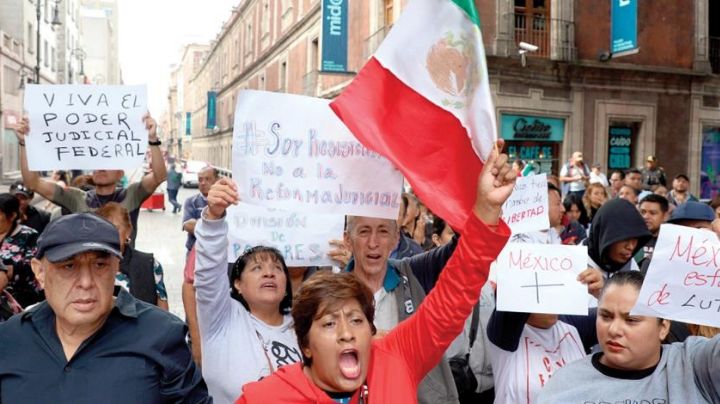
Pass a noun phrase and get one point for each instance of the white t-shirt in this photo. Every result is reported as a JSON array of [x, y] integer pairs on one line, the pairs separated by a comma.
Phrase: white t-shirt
[[386, 311], [520, 375], [237, 347], [568, 170]]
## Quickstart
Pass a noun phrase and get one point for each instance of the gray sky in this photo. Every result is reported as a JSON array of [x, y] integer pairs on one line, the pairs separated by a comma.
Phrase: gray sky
[[152, 33]]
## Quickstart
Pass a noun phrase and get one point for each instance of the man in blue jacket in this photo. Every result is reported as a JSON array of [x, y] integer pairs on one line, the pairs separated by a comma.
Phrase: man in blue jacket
[[82, 345]]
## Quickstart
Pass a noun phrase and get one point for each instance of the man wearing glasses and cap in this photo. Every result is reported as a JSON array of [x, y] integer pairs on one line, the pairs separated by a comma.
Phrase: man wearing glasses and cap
[[30, 216], [82, 345], [652, 175]]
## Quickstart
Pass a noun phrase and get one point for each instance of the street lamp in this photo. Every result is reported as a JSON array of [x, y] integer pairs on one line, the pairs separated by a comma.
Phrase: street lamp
[[80, 55], [55, 22], [23, 76]]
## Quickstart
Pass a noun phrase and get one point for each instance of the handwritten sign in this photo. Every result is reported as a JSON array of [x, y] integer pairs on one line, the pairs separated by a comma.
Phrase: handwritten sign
[[532, 278], [526, 209], [683, 280], [302, 238], [291, 152], [85, 127]]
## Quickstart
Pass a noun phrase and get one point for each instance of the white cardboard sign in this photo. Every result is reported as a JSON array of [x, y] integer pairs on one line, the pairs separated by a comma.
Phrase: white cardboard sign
[[526, 209], [85, 127], [683, 280], [302, 238], [541, 278], [292, 152]]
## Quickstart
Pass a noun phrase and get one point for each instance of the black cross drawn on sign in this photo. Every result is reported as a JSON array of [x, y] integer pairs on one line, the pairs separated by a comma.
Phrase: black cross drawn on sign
[[537, 287]]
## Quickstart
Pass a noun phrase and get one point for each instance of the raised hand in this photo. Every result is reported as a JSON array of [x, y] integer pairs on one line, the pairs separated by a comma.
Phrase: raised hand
[[495, 185], [340, 252], [151, 127], [221, 195], [22, 128]]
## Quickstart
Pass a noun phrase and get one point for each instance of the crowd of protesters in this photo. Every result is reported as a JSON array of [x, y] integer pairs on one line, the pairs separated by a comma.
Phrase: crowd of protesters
[[409, 317]]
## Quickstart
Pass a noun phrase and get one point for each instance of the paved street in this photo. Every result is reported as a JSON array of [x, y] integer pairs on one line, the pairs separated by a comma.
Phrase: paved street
[[160, 233]]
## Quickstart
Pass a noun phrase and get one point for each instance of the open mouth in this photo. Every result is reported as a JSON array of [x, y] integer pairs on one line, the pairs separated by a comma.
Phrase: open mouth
[[349, 364], [374, 256], [269, 285]]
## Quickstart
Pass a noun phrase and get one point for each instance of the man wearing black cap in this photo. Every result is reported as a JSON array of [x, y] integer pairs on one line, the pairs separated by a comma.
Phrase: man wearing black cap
[[652, 175], [82, 345], [679, 193], [30, 216]]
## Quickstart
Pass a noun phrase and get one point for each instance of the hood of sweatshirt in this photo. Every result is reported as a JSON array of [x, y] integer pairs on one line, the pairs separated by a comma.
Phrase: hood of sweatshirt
[[615, 221]]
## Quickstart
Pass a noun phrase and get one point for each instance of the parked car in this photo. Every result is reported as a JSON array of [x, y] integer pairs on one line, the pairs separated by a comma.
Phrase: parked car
[[190, 172]]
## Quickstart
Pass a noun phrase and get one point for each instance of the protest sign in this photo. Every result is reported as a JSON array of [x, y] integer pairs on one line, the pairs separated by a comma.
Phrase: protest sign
[[291, 152], [538, 278], [526, 209], [85, 127], [683, 280], [301, 238]]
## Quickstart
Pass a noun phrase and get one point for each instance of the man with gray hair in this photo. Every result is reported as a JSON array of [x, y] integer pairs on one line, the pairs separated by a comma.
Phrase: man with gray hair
[[399, 287], [82, 345]]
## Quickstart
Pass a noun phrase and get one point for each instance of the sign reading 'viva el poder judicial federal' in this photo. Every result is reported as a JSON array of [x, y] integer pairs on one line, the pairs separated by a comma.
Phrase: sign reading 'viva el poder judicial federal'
[[85, 127]]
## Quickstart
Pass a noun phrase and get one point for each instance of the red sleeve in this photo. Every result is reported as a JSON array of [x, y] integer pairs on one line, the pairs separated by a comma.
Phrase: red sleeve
[[423, 338]]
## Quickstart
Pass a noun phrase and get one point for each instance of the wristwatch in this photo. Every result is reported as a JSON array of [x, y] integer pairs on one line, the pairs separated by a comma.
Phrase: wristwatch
[[155, 143]]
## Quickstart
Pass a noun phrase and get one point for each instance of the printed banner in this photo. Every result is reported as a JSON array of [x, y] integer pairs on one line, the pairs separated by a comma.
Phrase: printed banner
[[683, 281], [292, 153], [211, 110], [334, 36], [526, 209], [537, 278], [85, 127], [301, 238], [623, 32]]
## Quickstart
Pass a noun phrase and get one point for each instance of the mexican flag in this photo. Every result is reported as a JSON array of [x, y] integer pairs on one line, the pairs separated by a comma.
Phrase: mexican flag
[[423, 101]]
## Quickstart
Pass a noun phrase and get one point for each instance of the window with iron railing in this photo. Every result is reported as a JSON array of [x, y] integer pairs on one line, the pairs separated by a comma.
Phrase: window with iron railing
[[714, 54]]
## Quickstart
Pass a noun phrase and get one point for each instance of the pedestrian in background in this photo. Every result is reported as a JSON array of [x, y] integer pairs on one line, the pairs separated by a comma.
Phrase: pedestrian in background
[[174, 180], [652, 175], [597, 176], [574, 175]]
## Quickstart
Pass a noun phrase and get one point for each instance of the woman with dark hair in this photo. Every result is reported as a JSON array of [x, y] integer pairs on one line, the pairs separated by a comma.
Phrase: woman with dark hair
[[334, 313], [140, 273], [246, 331], [634, 366], [574, 221], [17, 249], [575, 210]]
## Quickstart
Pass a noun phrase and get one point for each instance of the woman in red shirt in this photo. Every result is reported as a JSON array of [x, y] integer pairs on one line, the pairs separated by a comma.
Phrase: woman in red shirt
[[333, 317]]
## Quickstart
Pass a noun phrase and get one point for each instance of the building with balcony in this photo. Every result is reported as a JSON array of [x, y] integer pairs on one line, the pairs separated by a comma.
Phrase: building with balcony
[[31, 40], [570, 94]]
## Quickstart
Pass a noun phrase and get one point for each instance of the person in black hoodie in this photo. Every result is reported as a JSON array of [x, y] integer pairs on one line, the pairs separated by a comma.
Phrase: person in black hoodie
[[617, 233]]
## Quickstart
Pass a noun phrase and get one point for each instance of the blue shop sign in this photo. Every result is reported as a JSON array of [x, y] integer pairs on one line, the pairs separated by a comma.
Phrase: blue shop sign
[[535, 128]]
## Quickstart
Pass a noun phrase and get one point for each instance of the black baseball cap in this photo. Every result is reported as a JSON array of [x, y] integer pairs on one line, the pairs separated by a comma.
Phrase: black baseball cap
[[18, 187], [77, 233]]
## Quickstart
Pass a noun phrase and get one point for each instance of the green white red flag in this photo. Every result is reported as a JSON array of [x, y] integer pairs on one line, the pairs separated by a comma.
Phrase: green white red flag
[[423, 101]]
